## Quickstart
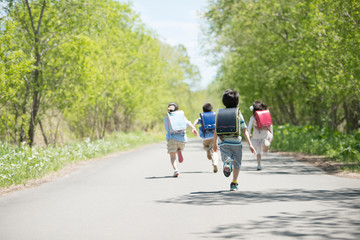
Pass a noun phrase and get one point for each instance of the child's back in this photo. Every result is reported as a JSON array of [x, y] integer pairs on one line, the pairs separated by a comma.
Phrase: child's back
[[206, 131], [230, 140], [261, 132], [175, 124]]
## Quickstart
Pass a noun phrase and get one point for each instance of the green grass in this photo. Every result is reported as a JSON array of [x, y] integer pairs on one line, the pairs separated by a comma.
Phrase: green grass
[[314, 140], [20, 164]]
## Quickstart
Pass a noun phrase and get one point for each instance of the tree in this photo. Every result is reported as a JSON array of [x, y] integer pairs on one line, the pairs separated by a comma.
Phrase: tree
[[300, 57], [94, 67]]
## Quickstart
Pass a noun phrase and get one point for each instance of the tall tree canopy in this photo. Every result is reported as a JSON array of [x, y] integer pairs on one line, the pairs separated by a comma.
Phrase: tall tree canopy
[[300, 57], [85, 68]]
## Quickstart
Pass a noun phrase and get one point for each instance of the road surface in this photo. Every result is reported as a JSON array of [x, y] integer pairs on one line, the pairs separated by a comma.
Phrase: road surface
[[132, 195]]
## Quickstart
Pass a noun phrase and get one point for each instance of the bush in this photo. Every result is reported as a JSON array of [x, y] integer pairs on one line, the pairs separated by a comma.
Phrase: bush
[[318, 141]]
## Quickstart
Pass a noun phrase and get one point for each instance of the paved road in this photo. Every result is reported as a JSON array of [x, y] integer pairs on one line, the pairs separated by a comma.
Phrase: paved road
[[132, 196]]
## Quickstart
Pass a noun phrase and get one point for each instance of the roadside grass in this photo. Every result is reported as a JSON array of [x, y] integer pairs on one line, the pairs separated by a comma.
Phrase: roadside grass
[[20, 164], [336, 146]]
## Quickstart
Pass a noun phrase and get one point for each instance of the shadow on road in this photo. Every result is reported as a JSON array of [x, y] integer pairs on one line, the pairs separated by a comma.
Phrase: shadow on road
[[324, 224], [194, 172], [339, 220], [347, 197], [162, 177], [282, 166]]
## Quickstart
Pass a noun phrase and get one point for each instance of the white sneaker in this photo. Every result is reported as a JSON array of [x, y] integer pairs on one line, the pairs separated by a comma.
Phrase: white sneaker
[[258, 167], [176, 174]]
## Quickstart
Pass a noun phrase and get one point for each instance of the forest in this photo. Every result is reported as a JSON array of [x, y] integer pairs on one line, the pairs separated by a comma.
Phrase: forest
[[76, 69], [300, 57]]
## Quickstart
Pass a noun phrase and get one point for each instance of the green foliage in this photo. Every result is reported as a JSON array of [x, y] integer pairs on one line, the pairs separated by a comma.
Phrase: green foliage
[[76, 69], [88, 67], [318, 141], [299, 57], [19, 164]]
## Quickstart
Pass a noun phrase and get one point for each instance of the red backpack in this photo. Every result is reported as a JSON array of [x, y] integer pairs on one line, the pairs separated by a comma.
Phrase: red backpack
[[263, 119]]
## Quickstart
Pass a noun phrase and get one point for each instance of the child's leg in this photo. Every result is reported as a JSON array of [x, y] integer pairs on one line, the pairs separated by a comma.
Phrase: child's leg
[[266, 148], [258, 145], [206, 147], [227, 158], [173, 160], [180, 147], [258, 157], [213, 156], [236, 165], [172, 150], [236, 173], [267, 142]]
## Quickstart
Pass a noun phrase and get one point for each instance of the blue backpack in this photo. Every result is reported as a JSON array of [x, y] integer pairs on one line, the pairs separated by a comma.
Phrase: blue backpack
[[208, 121], [177, 123]]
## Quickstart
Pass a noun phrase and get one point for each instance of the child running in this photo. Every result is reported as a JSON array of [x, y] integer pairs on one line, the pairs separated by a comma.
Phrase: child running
[[207, 134], [230, 145], [175, 125], [260, 137]]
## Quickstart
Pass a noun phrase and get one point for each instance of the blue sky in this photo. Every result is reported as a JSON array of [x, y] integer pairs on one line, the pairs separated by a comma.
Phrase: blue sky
[[177, 22]]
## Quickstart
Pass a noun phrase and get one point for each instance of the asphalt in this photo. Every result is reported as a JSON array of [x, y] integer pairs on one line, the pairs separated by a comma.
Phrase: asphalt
[[133, 195]]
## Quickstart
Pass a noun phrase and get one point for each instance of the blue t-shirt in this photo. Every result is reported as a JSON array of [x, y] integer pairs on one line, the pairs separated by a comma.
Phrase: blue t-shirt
[[179, 137], [208, 135]]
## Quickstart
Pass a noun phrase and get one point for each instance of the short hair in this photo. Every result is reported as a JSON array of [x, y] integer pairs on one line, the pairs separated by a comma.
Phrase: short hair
[[175, 105], [230, 98], [207, 107]]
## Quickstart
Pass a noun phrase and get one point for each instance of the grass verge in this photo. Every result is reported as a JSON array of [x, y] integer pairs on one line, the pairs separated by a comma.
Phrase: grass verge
[[20, 164], [335, 146]]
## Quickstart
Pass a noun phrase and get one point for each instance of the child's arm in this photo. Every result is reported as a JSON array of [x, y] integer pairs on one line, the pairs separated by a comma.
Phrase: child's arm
[[246, 134], [215, 146], [196, 122], [193, 129], [250, 125]]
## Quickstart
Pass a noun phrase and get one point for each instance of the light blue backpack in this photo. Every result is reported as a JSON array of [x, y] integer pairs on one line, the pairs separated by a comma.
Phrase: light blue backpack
[[177, 123]]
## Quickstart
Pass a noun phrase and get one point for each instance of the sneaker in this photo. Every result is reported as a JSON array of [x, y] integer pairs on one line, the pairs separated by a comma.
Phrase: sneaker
[[227, 167], [234, 186], [181, 159], [258, 167], [215, 169], [176, 174]]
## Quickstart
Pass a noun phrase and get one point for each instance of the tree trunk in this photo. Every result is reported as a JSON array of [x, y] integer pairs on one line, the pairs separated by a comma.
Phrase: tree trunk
[[57, 129], [35, 108], [290, 114], [352, 116], [36, 73], [43, 133]]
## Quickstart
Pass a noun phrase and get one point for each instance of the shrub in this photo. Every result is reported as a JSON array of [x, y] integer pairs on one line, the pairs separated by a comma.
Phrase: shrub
[[319, 141]]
